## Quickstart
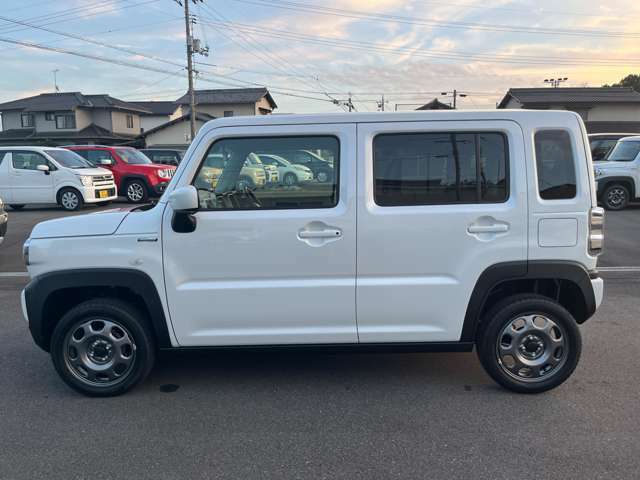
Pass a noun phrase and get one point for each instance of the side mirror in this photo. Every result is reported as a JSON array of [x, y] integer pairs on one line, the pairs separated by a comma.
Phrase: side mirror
[[184, 199], [43, 168], [105, 161]]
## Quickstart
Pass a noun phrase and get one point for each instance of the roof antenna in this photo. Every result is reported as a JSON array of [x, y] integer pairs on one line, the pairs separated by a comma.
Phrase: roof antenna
[[55, 80]]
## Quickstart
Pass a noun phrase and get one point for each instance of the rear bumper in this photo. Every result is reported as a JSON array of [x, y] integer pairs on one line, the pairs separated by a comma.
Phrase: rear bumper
[[598, 290], [3, 225]]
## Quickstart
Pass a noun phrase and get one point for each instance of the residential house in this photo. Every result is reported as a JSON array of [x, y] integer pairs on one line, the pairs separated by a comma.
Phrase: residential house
[[68, 118], [159, 113], [605, 109], [210, 104], [435, 104]]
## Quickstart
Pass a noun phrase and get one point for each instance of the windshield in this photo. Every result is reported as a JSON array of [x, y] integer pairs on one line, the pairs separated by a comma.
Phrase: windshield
[[624, 152], [68, 159], [133, 157]]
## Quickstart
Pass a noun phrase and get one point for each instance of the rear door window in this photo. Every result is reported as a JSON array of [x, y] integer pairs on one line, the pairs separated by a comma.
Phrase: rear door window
[[555, 163]]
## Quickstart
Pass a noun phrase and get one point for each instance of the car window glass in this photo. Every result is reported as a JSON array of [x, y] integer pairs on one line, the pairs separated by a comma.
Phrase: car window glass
[[68, 159], [95, 156], [624, 152], [233, 176], [555, 165], [439, 168], [28, 160]]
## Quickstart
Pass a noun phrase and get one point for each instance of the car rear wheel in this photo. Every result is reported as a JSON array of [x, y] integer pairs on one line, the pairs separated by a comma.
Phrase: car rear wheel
[[136, 191], [70, 199], [615, 197], [16, 206], [529, 343], [102, 347], [324, 176]]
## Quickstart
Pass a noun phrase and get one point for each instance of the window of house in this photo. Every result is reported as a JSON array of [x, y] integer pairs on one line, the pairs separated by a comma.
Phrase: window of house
[[65, 121], [26, 119], [555, 165], [230, 178], [440, 168], [49, 116], [129, 121], [228, 113]]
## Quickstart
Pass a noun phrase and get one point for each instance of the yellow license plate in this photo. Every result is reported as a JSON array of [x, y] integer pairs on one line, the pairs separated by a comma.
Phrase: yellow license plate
[[103, 193]]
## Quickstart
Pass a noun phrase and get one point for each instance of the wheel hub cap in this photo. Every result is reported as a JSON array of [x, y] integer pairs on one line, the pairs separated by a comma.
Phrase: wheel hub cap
[[100, 351], [531, 347]]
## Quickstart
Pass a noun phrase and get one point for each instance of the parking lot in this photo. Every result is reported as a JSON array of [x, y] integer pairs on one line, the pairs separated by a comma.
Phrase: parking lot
[[311, 415]]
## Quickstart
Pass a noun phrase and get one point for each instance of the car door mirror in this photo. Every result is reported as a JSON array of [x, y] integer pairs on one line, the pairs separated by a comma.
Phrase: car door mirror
[[43, 168], [105, 161], [184, 199]]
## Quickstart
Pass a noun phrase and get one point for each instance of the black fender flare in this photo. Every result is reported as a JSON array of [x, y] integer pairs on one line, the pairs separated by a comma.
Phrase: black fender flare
[[40, 289], [604, 182], [535, 269]]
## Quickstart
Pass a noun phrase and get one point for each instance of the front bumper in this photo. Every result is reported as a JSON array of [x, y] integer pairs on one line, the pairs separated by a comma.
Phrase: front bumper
[[3, 225], [159, 188], [93, 195]]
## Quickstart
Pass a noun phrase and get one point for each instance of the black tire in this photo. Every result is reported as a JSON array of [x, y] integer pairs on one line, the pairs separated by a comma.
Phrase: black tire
[[504, 316], [615, 197], [324, 176], [290, 179], [70, 199], [16, 206], [136, 191], [125, 317]]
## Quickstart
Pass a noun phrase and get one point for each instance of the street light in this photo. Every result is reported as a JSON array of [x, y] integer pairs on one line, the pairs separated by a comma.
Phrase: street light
[[555, 82]]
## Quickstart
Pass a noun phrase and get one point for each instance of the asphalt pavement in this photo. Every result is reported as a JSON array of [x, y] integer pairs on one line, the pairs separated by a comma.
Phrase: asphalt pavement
[[299, 415]]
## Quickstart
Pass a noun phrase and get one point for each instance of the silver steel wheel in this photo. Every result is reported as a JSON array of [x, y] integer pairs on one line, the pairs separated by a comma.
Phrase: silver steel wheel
[[135, 192], [69, 200], [290, 179], [99, 352], [531, 348], [322, 177], [616, 196]]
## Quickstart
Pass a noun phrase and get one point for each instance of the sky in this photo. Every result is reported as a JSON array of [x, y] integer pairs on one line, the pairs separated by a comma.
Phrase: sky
[[312, 54]]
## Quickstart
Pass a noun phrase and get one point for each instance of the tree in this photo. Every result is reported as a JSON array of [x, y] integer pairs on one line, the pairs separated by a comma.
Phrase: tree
[[632, 81]]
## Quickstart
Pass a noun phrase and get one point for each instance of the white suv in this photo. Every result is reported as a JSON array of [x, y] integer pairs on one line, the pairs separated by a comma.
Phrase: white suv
[[618, 176], [36, 175], [440, 231]]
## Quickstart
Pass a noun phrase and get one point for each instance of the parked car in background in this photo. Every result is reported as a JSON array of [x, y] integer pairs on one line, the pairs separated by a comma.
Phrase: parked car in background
[[4, 220], [618, 176], [602, 143], [290, 174], [499, 255], [136, 176], [36, 175], [322, 169], [272, 174], [163, 156], [251, 175]]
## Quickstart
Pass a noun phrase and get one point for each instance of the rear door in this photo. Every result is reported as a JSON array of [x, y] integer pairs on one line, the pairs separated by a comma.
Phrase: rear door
[[28, 184], [439, 202], [271, 265]]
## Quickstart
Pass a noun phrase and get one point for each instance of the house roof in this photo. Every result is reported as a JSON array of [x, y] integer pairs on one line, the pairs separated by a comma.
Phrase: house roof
[[435, 104], [528, 96], [229, 95], [203, 117], [92, 131], [69, 101], [157, 108]]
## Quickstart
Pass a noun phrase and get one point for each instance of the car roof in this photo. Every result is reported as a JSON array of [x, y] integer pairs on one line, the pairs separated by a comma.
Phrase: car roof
[[38, 148], [635, 138]]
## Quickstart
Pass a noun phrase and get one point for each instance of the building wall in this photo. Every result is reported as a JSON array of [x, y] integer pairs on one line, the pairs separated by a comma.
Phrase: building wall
[[615, 112], [11, 120], [119, 123], [264, 104], [147, 122], [176, 135], [84, 118], [238, 109], [102, 118]]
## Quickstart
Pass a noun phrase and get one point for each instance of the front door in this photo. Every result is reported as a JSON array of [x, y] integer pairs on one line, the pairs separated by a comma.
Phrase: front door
[[268, 264], [28, 184], [439, 202]]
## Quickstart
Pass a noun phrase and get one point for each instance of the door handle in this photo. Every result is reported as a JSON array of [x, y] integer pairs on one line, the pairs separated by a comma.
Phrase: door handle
[[495, 228], [327, 233]]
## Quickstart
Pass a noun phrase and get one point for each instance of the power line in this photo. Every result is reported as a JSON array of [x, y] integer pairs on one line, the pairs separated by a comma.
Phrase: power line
[[389, 18]]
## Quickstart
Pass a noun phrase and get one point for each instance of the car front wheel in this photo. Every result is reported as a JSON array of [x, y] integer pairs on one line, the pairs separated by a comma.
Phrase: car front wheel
[[136, 191], [529, 343], [102, 347], [70, 199], [615, 197]]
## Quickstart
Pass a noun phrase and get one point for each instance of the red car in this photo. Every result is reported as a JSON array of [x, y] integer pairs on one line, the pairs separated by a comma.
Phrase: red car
[[135, 175]]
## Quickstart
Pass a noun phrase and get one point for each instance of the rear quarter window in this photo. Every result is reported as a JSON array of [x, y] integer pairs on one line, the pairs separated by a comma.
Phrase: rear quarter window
[[555, 165]]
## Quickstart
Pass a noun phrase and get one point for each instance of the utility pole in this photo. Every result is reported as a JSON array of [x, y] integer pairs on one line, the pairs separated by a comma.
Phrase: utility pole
[[55, 80], [192, 95], [455, 94], [346, 103], [381, 103]]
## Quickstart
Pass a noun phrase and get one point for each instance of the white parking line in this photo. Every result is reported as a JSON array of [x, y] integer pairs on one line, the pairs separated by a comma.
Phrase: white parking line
[[14, 274], [619, 269]]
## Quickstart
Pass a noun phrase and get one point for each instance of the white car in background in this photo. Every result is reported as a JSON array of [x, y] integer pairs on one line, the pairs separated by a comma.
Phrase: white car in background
[[290, 173], [40, 175]]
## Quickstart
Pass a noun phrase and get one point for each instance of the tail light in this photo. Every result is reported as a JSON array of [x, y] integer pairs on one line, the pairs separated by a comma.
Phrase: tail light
[[596, 230]]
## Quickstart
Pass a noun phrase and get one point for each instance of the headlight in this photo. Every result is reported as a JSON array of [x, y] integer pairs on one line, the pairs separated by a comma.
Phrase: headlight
[[86, 180], [25, 251], [164, 174]]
